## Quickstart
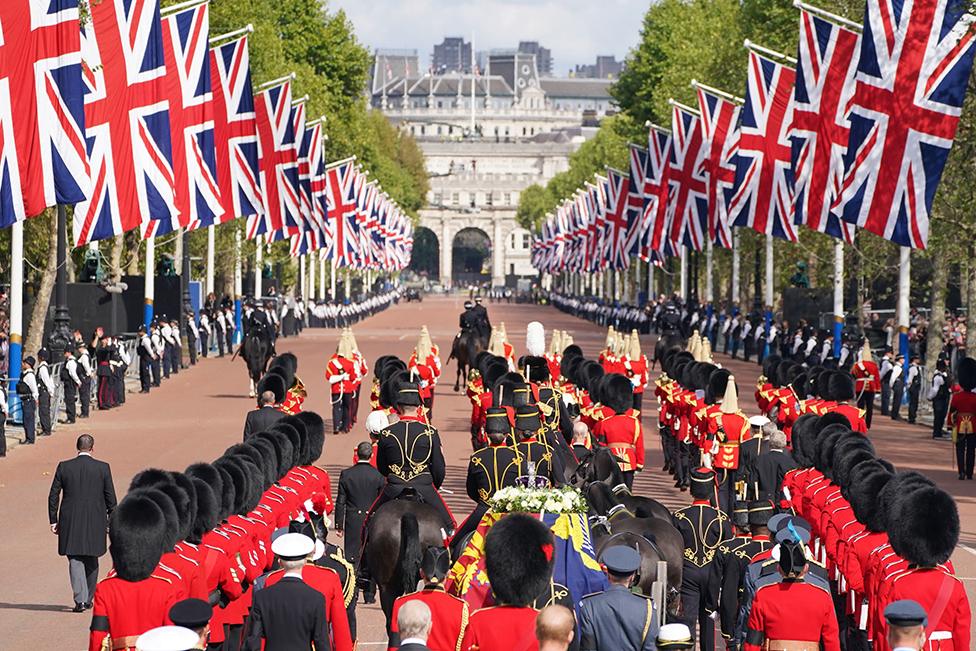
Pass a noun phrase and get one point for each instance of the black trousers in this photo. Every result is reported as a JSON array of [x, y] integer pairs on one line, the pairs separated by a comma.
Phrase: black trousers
[[940, 407], [29, 409], [629, 478], [155, 371], [913, 392], [966, 454], [866, 402], [3, 435], [885, 397], [118, 376], [191, 345], [638, 401], [70, 397], [204, 342], [145, 371], [175, 358], [84, 392], [699, 595], [44, 413], [897, 393], [340, 412], [167, 359], [219, 336]]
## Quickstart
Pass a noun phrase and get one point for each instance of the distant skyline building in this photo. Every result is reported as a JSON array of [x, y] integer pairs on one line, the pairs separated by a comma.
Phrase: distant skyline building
[[453, 54], [606, 67], [543, 56]]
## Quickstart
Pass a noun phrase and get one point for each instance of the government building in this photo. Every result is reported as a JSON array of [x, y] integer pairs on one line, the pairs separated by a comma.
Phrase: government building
[[486, 135]]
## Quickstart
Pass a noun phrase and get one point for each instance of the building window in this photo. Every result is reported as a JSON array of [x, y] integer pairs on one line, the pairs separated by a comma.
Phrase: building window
[[508, 198], [456, 198], [474, 200], [525, 240], [488, 199], [511, 243], [438, 129], [437, 199], [423, 130]]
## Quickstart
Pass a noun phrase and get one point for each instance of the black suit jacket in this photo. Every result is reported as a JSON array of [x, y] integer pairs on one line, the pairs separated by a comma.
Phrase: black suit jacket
[[83, 486], [359, 486], [260, 420], [413, 647], [288, 616]]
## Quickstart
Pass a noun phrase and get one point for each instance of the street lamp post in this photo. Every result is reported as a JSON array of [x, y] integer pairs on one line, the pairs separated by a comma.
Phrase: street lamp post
[[757, 302], [60, 337]]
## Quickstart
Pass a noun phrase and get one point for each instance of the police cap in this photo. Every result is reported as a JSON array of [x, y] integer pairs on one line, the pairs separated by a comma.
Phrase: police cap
[[621, 559]]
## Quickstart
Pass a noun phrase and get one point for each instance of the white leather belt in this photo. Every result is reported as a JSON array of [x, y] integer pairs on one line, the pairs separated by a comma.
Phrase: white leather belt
[[935, 636]]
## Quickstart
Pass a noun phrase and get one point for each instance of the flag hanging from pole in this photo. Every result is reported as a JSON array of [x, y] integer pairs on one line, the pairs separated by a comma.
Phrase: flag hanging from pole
[[277, 160], [688, 191], [720, 135], [656, 193]]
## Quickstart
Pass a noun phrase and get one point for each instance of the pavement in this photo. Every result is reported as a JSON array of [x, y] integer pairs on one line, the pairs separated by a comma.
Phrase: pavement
[[199, 413]]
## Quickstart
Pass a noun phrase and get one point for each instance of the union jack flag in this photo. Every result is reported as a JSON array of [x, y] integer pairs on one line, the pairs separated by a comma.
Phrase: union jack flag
[[302, 166], [635, 199], [688, 192], [719, 120], [235, 129], [277, 162], [822, 95], [127, 121], [912, 73], [186, 35], [656, 185], [763, 193], [342, 205], [43, 158]]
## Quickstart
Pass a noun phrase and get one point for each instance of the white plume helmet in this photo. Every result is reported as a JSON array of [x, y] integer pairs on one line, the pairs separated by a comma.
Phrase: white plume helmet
[[730, 403], [694, 346], [424, 345], [495, 342], [535, 339], [634, 349], [345, 347], [377, 421]]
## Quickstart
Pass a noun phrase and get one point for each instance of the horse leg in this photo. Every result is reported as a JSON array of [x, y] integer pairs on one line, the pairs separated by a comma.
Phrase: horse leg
[[253, 389], [457, 379], [387, 597]]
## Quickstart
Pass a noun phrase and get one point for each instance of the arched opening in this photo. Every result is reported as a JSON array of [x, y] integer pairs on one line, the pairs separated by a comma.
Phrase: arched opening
[[471, 255], [425, 257]]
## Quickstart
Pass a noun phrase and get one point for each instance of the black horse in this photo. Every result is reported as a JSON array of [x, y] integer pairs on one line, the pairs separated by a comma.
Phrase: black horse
[[612, 523], [398, 534], [464, 349], [256, 351], [666, 341], [601, 466]]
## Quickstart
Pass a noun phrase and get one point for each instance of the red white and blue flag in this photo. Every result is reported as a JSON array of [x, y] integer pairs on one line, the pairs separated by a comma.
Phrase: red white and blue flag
[[912, 72], [186, 41], [720, 136], [763, 193], [235, 129], [277, 162], [656, 186], [43, 155], [824, 87], [618, 189], [342, 206], [127, 121], [635, 199], [688, 191]]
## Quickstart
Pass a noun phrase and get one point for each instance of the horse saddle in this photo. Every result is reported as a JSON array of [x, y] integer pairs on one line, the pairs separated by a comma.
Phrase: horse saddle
[[405, 492]]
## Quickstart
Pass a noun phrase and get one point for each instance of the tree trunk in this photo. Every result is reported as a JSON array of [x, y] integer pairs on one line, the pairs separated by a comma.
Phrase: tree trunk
[[35, 329], [970, 307], [115, 259], [134, 251], [940, 281]]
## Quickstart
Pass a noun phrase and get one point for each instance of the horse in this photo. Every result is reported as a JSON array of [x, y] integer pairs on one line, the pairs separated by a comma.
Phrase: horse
[[612, 523], [601, 466], [256, 351], [465, 347], [397, 535], [666, 341]]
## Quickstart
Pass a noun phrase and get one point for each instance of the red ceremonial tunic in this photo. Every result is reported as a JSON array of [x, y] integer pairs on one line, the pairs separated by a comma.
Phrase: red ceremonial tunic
[[943, 597], [792, 610], [730, 431], [294, 398], [553, 362], [449, 618], [854, 415], [962, 413], [124, 610], [637, 368], [428, 372], [325, 581], [501, 628], [340, 373], [867, 378], [624, 435]]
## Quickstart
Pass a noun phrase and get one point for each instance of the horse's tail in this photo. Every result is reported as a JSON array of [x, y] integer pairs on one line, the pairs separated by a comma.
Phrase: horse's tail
[[408, 565]]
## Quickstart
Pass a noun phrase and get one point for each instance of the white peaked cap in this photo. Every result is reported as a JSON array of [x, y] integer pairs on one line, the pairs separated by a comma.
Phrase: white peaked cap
[[293, 545], [167, 638]]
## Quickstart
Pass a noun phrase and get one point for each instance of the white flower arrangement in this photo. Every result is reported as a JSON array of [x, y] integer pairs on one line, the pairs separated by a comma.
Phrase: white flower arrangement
[[521, 499]]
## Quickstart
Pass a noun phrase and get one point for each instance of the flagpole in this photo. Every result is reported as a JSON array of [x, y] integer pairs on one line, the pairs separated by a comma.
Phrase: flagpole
[[736, 267], [708, 271], [214, 40], [258, 265], [268, 85], [749, 45], [16, 310], [238, 287], [150, 294], [172, 9], [693, 111], [301, 276], [650, 279], [823, 13], [684, 273], [332, 268], [904, 289], [838, 295], [717, 91], [321, 294], [210, 258], [310, 295]]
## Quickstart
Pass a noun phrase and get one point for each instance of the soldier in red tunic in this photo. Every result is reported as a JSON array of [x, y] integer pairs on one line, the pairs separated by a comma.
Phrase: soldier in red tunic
[[519, 563], [726, 431], [425, 365], [133, 598], [635, 365], [867, 382], [622, 432], [449, 614], [341, 372], [841, 390], [962, 418]]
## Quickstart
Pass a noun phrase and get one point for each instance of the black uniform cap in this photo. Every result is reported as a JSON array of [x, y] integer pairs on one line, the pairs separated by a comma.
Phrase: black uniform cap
[[191, 613], [760, 512], [408, 395], [527, 418], [621, 559], [496, 421], [906, 612]]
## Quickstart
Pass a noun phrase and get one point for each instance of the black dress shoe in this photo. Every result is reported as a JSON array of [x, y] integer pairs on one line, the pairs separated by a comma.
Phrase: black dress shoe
[[79, 608], [87, 605], [961, 476]]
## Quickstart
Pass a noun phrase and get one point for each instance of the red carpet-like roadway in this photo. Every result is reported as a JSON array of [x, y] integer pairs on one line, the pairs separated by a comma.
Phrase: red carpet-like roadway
[[199, 413]]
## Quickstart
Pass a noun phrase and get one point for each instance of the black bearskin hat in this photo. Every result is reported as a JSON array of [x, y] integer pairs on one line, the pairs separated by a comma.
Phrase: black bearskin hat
[[275, 384], [925, 529], [825, 446], [186, 483], [804, 439], [380, 363], [840, 386], [392, 367], [208, 511], [703, 371], [572, 350], [590, 374], [769, 366], [846, 459], [518, 559], [901, 484], [150, 478], [717, 382], [536, 368], [268, 453], [833, 418], [288, 362], [223, 490], [867, 480], [256, 455], [680, 356], [618, 393], [136, 532], [569, 365], [296, 431], [799, 385], [786, 371], [822, 382], [252, 476], [170, 513], [316, 436], [966, 373], [185, 507], [494, 371], [283, 449], [237, 480]]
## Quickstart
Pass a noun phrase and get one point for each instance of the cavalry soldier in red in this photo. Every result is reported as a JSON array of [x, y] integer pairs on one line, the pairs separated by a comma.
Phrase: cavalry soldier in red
[[510, 623], [867, 382], [449, 614], [133, 598], [341, 373], [622, 432], [962, 418]]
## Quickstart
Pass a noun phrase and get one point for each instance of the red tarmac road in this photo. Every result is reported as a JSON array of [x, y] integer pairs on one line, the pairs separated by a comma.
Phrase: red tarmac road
[[197, 414]]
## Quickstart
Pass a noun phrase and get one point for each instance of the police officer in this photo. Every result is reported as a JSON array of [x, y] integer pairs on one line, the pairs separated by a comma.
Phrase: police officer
[[359, 486], [28, 393], [156, 338], [192, 334], [617, 619], [703, 528], [481, 317], [939, 395], [45, 388], [146, 355], [85, 372], [70, 383], [913, 384]]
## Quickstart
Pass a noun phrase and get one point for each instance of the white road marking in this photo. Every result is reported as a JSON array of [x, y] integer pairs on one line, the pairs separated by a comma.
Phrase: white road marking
[[968, 549]]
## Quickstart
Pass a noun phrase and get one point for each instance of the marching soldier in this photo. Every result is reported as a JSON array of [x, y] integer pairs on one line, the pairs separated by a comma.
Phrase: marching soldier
[[727, 430], [622, 432], [703, 528], [359, 486], [426, 367], [45, 389], [340, 373], [727, 561], [636, 365], [449, 614], [618, 619], [841, 389], [739, 556]]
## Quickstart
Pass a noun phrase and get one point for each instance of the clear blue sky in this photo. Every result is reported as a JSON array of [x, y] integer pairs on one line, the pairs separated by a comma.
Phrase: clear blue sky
[[575, 30]]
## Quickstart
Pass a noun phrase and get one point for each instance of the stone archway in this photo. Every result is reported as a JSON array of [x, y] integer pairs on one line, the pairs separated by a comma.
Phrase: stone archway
[[425, 256], [471, 259]]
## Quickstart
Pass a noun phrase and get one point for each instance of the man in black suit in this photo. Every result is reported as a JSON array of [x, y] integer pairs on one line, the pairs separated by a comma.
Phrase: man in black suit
[[84, 488], [262, 418], [414, 623], [359, 485], [289, 615]]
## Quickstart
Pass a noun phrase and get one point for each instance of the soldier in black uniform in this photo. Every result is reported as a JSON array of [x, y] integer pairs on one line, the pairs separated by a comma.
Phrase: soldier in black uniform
[[535, 456], [409, 455], [704, 528], [359, 486], [481, 318], [333, 558], [617, 619], [736, 560], [468, 320]]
